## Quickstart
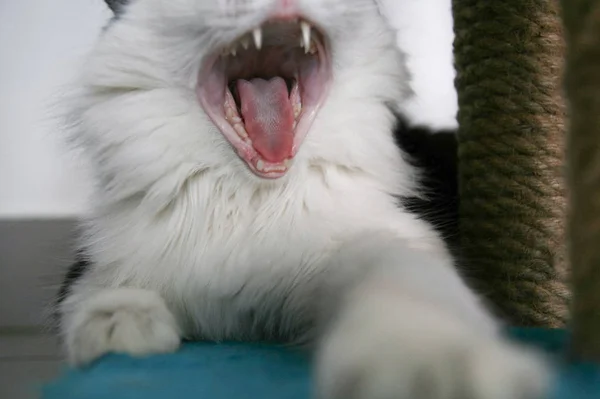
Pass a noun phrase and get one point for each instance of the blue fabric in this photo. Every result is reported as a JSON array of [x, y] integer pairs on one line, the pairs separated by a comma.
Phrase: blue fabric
[[240, 371]]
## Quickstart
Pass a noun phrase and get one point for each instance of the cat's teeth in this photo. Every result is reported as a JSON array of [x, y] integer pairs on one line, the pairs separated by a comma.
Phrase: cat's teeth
[[287, 163], [239, 129], [245, 42], [297, 109], [306, 31], [229, 51], [257, 35], [260, 165], [229, 114]]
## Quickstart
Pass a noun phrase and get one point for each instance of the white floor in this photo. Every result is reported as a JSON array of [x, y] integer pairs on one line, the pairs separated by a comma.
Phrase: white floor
[[26, 362]]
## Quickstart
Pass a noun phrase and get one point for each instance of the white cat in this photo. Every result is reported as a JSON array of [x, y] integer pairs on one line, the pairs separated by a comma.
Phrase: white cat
[[246, 188]]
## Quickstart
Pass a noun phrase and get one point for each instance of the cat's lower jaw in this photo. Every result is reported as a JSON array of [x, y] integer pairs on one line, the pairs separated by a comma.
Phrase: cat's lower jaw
[[124, 320], [384, 346]]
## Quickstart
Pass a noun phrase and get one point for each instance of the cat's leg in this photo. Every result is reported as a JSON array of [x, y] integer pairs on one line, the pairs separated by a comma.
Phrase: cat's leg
[[407, 327], [121, 320]]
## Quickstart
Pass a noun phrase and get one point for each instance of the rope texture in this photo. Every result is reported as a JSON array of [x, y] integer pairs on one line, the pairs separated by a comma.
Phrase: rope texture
[[582, 20], [508, 57]]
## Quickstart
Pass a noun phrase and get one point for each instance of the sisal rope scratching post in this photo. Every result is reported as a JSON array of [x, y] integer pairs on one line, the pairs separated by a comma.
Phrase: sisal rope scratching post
[[582, 21], [508, 57]]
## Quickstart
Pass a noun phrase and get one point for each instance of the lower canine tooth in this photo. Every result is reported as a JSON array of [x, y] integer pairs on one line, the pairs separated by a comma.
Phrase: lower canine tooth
[[260, 165]]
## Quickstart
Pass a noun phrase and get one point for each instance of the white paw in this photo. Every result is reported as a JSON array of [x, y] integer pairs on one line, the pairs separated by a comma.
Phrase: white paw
[[379, 355], [131, 321]]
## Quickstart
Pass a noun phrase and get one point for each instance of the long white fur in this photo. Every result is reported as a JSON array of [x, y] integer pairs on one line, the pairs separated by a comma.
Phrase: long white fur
[[186, 242]]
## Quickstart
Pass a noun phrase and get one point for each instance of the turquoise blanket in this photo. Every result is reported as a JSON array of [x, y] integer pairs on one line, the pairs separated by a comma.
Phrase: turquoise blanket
[[240, 371]]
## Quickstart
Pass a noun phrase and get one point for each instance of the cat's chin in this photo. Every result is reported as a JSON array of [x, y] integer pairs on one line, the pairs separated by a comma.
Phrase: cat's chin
[[264, 90]]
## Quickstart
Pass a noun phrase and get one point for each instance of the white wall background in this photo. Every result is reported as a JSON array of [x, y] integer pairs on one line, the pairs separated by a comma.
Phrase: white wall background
[[425, 33], [42, 42]]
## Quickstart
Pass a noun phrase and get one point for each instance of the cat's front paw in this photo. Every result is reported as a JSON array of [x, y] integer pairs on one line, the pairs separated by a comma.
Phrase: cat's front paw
[[378, 356], [132, 321]]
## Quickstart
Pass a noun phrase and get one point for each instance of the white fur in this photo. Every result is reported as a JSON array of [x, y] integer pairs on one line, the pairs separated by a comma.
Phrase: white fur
[[124, 320], [390, 346], [216, 253]]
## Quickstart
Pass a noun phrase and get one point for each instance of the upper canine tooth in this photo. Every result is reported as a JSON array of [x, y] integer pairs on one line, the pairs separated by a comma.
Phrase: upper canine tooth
[[233, 51], [305, 27], [257, 35]]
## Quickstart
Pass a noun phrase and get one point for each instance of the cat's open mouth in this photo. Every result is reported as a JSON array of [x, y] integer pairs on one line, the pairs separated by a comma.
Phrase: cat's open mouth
[[264, 90]]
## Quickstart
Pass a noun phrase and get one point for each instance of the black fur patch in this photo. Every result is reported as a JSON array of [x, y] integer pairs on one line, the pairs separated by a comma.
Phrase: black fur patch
[[76, 271], [116, 5], [436, 155]]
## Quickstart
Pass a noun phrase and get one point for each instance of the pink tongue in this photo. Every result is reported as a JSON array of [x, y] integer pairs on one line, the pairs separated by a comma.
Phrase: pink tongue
[[268, 117]]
